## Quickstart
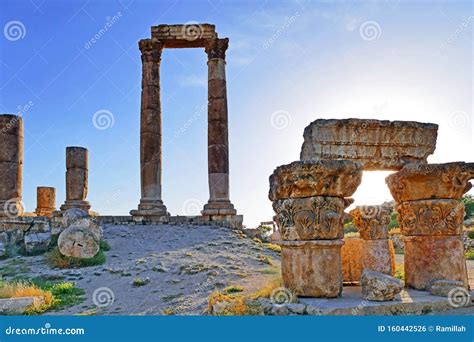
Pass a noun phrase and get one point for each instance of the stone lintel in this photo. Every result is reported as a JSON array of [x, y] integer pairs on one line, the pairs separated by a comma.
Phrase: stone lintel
[[188, 35]]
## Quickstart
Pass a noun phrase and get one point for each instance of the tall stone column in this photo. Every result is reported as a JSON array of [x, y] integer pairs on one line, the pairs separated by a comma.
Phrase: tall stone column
[[218, 142], [377, 251], [45, 201], [11, 165], [431, 220], [151, 203], [77, 168], [309, 199]]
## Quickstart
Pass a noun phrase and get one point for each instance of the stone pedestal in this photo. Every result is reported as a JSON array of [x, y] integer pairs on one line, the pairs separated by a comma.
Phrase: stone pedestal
[[45, 201], [76, 179], [431, 220], [309, 199], [11, 165], [312, 268], [377, 252], [217, 139], [151, 204], [430, 258]]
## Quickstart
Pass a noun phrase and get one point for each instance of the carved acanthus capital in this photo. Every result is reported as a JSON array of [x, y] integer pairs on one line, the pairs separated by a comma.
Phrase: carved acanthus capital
[[431, 217], [151, 50], [216, 48], [312, 218], [372, 221]]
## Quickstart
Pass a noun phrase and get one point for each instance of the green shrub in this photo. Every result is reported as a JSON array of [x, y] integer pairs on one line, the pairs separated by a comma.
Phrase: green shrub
[[468, 201], [56, 260], [470, 254]]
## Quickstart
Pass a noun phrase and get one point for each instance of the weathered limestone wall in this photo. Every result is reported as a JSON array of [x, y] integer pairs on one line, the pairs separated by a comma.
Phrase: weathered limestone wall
[[11, 165], [378, 145], [309, 199], [431, 220], [76, 179], [45, 201]]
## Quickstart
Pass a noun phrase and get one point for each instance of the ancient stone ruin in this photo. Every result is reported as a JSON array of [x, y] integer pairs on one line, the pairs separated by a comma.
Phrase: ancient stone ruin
[[219, 207], [45, 201], [431, 219], [11, 165], [309, 197], [15, 224]]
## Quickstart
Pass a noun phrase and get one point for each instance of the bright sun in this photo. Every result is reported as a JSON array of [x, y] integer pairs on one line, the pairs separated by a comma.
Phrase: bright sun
[[373, 189]]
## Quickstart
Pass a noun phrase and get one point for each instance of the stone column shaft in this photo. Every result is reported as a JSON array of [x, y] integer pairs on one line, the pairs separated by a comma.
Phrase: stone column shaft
[[377, 251], [11, 165], [45, 201], [76, 179], [151, 203], [218, 141]]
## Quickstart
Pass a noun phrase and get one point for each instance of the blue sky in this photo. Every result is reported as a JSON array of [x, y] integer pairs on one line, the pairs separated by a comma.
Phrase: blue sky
[[289, 63]]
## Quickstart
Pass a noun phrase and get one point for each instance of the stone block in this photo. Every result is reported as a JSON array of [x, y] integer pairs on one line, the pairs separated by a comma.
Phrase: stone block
[[377, 286], [376, 144], [431, 181], [430, 258], [312, 268], [351, 256], [338, 178]]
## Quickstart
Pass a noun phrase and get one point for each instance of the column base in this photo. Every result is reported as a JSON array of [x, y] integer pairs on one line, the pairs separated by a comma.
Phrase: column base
[[430, 258], [218, 208], [150, 208], [11, 208], [312, 268], [71, 204], [47, 212]]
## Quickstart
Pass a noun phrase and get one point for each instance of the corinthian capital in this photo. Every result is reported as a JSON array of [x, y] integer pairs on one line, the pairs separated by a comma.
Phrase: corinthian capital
[[151, 50], [216, 48]]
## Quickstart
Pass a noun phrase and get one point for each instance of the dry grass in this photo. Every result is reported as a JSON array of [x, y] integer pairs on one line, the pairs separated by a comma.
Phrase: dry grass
[[400, 271], [222, 303], [273, 247], [23, 289], [267, 289]]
